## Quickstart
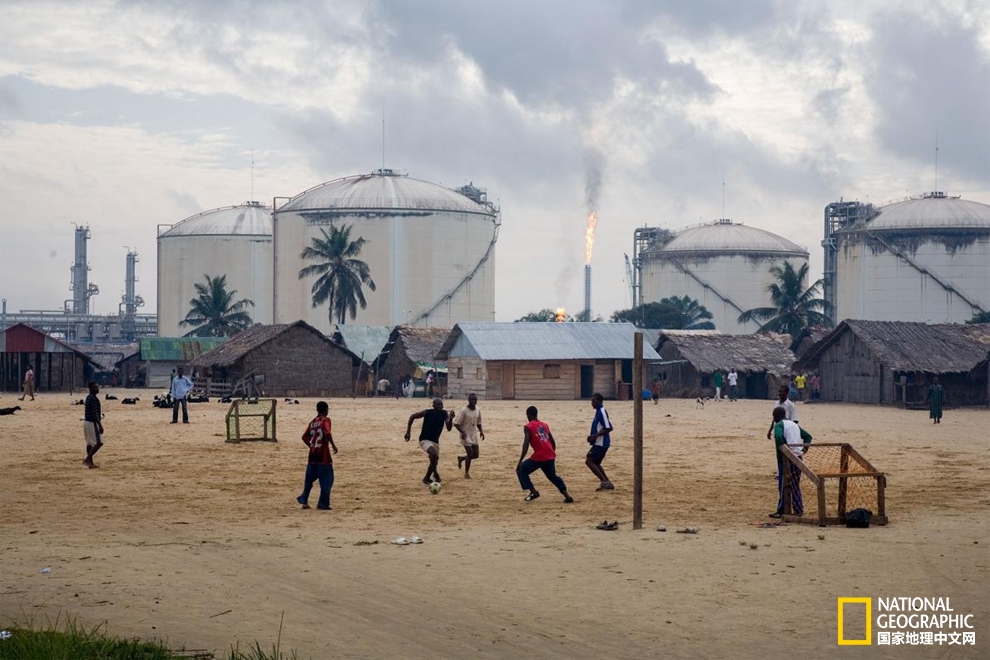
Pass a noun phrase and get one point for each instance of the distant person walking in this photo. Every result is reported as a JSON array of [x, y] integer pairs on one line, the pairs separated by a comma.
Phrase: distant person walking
[[816, 387], [468, 424], [319, 439], [28, 383], [655, 391], [537, 435], [429, 383], [935, 398], [434, 421], [801, 381], [92, 425], [733, 389], [600, 440], [181, 387], [718, 385]]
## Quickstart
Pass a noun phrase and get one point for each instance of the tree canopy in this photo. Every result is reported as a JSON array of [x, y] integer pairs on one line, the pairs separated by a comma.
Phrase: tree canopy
[[214, 313], [794, 307], [342, 276], [979, 317], [673, 313]]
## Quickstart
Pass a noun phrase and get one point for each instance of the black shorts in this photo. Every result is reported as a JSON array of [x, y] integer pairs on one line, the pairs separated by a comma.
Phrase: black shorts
[[597, 453]]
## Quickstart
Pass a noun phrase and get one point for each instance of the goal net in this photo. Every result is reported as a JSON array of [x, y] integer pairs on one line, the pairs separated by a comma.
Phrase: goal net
[[251, 419], [832, 480]]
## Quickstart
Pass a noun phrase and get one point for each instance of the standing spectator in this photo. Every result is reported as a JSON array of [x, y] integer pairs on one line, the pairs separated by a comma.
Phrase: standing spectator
[[718, 385], [383, 385], [28, 383], [434, 419], [429, 383], [655, 391], [181, 387], [733, 381], [801, 381], [399, 382], [319, 439], [790, 412], [600, 440], [935, 398], [92, 425], [786, 432], [536, 434], [816, 387], [792, 390], [468, 424]]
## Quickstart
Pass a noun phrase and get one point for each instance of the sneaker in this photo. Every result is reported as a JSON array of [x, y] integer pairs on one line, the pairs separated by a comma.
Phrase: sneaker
[[532, 496], [608, 486], [568, 500], [776, 515]]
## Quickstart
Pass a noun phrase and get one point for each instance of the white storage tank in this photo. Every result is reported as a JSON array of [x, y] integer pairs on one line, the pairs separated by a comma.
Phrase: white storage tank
[[235, 241], [925, 259], [430, 250], [724, 265]]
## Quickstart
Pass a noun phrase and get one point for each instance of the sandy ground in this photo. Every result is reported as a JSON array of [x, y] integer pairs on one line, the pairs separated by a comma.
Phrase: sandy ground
[[181, 536]]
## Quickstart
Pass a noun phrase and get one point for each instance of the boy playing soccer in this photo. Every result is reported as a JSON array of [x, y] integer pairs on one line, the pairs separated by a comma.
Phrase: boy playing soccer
[[319, 439], [536, 434], [93, 425], [600, 440]]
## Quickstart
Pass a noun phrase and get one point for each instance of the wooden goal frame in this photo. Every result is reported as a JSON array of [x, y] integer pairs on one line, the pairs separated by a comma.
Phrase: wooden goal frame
[[236, 433], [865, 470]]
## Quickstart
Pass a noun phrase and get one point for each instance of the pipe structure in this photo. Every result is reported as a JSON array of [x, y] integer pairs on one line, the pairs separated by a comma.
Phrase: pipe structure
[[587, 292]]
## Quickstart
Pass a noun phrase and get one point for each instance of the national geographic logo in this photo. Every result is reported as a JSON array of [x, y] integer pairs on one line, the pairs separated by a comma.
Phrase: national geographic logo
[[902, 620]]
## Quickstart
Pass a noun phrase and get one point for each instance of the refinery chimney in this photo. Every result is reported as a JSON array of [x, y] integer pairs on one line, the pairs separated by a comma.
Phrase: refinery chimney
[[587, 292], [82, 290]]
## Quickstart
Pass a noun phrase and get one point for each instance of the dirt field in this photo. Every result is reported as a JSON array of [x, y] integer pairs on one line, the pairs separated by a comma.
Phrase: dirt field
[[181, 536]]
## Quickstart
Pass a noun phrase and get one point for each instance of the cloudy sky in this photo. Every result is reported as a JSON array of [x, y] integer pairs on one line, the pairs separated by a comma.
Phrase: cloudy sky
[[128, 115]]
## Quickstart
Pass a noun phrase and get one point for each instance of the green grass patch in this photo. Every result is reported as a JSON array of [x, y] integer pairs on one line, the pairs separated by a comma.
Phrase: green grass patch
[[71, 641]]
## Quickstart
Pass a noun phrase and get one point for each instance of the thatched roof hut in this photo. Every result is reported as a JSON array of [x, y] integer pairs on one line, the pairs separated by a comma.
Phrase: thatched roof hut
[[894, 362], [412, 350], [293, 359], [690, 358]]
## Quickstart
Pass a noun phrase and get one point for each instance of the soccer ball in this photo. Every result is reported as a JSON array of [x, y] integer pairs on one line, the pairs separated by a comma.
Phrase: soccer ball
[[435, 487]]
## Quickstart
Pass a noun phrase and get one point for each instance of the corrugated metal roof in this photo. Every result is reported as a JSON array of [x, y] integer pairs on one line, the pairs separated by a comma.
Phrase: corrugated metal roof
[[176, 349], [547, 341], [22, 338], [907, 346], [727, 236], [377, 191], [250, 219], [366, 340], [932, 212]]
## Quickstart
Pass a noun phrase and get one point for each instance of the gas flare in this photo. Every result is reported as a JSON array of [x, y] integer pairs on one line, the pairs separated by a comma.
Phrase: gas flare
[[560, 315], [589, 237]]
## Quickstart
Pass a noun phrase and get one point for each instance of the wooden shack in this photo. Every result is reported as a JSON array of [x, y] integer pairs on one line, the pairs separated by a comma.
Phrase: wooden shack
[[690, 358], [290, 359], [157, 357], [541, 360], [57, 366], [893, 362]]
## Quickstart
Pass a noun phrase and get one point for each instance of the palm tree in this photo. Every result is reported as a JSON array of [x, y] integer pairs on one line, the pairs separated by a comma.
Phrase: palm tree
[[694, 315], [214, 312], [341, 274], [794, 307]]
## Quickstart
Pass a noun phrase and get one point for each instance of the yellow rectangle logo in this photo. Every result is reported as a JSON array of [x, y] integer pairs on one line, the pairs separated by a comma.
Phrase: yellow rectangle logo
[[869, 622]]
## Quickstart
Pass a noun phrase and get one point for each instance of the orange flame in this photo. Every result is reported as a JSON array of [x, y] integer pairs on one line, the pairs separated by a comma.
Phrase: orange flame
[[589, 237], [560, 315]]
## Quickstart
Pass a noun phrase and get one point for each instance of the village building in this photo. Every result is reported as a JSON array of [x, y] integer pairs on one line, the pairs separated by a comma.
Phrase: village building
[[412, 351], [893, 362], [541, 360], [690, 359], [57, 366], [291, 359], [157, 357], [367, 342]]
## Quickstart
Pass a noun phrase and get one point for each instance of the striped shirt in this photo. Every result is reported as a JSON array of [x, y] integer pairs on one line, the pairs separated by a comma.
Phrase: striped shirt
[[600, 423], [93, 413]]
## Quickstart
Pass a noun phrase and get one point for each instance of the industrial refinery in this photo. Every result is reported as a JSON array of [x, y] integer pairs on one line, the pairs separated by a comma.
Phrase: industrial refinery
[[724, 265], [430, 249]]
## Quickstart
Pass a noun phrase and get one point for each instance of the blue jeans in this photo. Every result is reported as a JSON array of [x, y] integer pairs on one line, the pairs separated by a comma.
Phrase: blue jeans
[[549, 468], [324, 473], [175, 410]]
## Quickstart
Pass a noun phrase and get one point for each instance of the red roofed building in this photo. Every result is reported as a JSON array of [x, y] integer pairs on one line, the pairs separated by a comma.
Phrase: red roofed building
[[57, 366]]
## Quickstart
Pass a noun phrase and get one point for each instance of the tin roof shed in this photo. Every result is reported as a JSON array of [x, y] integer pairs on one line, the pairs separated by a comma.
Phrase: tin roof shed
[[543, 341]]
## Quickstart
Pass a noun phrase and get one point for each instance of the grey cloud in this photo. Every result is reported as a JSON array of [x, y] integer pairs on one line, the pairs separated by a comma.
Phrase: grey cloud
[[927, 77]]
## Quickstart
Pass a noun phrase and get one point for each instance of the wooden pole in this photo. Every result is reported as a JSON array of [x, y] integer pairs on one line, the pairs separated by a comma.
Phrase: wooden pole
[[638, 430]]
